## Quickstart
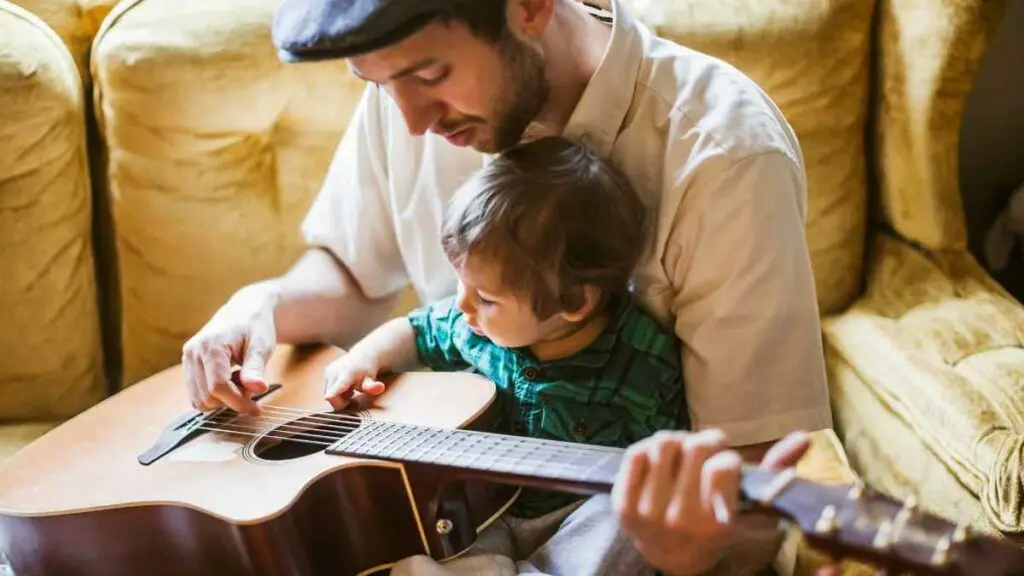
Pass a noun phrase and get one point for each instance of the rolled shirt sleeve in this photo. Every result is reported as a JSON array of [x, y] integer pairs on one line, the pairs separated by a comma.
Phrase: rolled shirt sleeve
[[438, 328], [351, 216], [744, 304]]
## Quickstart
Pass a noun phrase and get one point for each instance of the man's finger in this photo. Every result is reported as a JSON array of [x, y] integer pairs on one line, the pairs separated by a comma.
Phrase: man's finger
[[665, 458], [787, 452], [721, 485], [686, 506], [251, 375], [627, 489], [218, 382], [195, 379]]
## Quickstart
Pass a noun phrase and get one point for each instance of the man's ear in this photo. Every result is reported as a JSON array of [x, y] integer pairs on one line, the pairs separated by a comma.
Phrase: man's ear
[[530, 18], [591, 298]]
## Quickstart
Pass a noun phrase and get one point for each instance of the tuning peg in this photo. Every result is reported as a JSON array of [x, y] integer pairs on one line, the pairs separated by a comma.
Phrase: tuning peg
[[856, 491], [827, 521], [962, 532], [940, 556], [882, 536]]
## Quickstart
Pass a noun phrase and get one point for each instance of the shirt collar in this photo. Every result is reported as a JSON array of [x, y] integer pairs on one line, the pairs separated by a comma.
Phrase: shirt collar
[[601, 111]]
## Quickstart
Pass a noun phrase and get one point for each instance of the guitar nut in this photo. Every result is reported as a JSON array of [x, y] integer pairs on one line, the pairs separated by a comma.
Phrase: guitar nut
[[444, 526]]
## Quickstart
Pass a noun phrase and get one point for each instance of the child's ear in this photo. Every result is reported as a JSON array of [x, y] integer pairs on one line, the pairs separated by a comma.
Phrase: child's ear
[[591, 298]]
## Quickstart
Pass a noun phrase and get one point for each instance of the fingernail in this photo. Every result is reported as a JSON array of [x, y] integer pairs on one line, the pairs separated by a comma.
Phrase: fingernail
[[720, 508]]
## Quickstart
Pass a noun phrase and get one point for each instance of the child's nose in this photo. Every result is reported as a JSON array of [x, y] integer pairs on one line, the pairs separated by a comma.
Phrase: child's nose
[[463, 303]]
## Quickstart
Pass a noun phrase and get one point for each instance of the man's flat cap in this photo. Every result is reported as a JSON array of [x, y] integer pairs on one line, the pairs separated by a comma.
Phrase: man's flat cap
[[322, 29]]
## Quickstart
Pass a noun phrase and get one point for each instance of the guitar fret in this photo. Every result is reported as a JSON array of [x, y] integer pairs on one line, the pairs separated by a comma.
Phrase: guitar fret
[[451, 452], [422, 435], [473, 455], [391, 443], [467, 449], [440, 445]]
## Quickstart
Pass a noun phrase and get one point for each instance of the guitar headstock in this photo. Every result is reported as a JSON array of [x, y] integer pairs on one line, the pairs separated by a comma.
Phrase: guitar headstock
[[851, 521]]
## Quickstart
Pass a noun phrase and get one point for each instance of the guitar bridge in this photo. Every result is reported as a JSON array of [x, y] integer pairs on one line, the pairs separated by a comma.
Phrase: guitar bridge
[[186, 427]]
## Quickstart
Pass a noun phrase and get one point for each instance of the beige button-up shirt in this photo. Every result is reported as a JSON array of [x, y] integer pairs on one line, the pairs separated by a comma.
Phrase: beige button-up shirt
[[722, 175]]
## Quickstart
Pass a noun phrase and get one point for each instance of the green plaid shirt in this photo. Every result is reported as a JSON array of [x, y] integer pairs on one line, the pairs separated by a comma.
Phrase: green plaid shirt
[[622, 388]]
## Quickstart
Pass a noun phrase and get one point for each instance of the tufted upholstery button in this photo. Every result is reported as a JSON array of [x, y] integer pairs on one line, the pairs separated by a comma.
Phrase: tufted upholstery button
[[580, 428], [518, 427]]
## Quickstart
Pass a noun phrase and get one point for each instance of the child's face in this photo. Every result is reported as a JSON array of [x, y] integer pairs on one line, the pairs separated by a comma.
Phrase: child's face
[[505, 318]]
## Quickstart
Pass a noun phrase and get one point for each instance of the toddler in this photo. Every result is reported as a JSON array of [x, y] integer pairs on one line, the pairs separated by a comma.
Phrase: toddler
[[544, 240]]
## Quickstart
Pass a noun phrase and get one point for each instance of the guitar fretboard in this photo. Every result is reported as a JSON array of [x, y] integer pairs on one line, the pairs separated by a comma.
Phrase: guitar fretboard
[[588, 468]]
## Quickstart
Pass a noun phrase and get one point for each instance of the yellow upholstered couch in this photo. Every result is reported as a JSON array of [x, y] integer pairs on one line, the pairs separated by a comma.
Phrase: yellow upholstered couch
[[212, 151]]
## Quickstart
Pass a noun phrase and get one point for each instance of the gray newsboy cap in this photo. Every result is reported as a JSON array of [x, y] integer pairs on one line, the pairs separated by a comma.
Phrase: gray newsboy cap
[[305, 30]]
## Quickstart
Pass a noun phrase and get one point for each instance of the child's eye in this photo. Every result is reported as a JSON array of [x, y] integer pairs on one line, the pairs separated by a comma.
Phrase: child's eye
[[484, 301]]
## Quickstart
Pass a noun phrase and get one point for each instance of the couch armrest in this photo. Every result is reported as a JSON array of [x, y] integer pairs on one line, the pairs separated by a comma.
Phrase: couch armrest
[[940, 343]]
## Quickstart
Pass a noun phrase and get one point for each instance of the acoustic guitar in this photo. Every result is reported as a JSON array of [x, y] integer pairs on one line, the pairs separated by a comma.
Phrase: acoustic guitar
[[142, 485]]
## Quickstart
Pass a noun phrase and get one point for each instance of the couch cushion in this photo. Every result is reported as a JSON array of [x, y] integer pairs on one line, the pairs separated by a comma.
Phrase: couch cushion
[[14, 437], [216, 151], [75, 21], [811, 57], [890, 455], [942, 346], [929, 51], [51, 359]]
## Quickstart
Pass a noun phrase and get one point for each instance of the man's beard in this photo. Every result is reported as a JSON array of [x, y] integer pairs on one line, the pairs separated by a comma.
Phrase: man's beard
[[527, 85], [529, 89]]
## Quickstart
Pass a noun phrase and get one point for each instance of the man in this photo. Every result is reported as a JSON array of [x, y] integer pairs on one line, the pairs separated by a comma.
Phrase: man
[[714, 161]]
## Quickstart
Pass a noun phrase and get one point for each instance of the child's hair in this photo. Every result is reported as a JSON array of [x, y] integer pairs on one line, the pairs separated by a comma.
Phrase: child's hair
[[554, 217]]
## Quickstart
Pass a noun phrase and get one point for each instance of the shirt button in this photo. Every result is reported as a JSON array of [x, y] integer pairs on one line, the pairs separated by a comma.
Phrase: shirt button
[[580, 428], [530, 374]]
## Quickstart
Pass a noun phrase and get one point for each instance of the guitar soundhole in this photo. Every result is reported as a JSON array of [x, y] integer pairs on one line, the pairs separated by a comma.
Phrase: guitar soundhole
[[302, 437]]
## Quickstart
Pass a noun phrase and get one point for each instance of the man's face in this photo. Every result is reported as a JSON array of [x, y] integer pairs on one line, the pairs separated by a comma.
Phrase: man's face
[[452, 83]]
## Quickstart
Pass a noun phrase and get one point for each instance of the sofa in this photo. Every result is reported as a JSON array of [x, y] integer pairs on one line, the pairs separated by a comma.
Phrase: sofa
[[208, 152]]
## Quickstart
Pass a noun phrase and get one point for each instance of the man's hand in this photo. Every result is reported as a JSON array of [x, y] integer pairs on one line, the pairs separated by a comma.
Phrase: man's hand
[[240, 332], [676, 495], [349, 373]]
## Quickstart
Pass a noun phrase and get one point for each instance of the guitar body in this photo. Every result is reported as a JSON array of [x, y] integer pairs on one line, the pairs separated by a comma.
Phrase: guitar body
[[78, 501]]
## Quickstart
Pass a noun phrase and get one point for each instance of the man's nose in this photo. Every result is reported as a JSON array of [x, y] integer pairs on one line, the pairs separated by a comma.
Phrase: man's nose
[[419, 112]]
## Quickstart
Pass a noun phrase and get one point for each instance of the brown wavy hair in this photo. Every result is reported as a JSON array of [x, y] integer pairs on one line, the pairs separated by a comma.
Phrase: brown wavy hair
[[555, 217]]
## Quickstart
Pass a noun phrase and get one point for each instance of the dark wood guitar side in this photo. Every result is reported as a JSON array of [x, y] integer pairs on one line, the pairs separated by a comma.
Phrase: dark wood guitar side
[[140, 484]]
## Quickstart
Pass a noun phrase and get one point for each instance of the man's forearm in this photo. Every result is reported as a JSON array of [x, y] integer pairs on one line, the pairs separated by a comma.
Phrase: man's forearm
[[318, 301]]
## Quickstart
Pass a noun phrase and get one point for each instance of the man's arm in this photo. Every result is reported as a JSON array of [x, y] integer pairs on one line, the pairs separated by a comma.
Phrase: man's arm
[[745, 309], [341, 288], [319, 301], [745, 304]]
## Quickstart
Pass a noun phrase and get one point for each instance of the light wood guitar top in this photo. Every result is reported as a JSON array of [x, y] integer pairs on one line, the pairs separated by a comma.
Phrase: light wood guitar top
[[90, 462]]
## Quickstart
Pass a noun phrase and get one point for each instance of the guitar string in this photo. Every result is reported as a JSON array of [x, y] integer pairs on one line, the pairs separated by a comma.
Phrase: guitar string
[[349, 419], [351, 423], [464, 451], [328, 417], [508, 443]]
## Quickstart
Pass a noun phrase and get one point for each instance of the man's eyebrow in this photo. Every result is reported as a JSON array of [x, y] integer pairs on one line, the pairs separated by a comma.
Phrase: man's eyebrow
[[410, 69]]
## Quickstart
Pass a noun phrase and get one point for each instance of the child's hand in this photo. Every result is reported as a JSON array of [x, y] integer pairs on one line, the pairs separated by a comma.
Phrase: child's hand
[[351, 372]]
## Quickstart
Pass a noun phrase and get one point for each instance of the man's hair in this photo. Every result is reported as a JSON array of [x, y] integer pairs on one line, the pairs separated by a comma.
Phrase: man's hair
[[554, 217], [485, 19]]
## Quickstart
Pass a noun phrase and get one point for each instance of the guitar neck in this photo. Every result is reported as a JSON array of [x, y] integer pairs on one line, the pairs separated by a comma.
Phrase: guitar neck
[[547, 464], [566, 466]]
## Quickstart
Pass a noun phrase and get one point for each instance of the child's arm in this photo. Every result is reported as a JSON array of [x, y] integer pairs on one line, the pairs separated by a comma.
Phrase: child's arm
[[389, 348], [427, 336]]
